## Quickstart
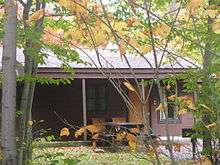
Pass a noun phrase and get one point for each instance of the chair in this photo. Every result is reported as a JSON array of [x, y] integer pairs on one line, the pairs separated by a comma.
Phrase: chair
[[119, 119], [99, 123]]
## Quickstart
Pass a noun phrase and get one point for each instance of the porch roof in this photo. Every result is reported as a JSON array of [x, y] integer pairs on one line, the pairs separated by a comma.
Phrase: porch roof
[[94, 73]]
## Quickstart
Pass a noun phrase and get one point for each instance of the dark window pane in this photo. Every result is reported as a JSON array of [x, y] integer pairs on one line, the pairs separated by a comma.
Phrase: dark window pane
[[171, 110], [102, 104], [101, 92], [91, 92], [91, 104], [96, 98]]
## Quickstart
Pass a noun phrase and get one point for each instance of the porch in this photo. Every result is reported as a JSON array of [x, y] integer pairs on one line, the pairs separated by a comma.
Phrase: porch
[[78, 103], [91, 95]]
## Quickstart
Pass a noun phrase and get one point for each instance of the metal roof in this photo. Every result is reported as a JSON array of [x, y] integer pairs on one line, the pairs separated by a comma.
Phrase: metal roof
[[109, 58]]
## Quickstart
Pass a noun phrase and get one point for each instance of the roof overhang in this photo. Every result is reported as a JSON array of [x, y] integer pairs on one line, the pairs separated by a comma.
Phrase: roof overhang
[[95, 73]]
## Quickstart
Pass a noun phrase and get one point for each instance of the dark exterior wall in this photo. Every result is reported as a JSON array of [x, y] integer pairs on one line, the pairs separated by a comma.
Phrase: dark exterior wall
[[66, 100]]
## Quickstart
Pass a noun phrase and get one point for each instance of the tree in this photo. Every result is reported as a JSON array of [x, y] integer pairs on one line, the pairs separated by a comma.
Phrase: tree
[[8, 133]]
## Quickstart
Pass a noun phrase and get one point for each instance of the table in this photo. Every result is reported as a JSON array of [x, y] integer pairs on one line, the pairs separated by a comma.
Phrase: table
[[114, 127], [124, 124]]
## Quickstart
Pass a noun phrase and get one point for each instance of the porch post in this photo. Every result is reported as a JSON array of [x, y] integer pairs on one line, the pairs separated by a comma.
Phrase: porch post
[[84, 107]]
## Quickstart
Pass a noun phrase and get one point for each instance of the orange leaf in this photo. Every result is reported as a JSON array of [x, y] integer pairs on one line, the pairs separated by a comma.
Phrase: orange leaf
[[94, 129], [135, 130], [177, 147]]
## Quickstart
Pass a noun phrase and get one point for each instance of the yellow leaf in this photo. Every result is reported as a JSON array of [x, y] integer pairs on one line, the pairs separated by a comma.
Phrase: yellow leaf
[[182, 111], [94, 129], [132, 145], [211, 13], [64, 132], [132, 141], [131, 137], [151, 152], [36, 16], [161, 107], [172, 97], [129, 86], [144, 48], [79, 132], [120, 26], [30, 123], [216, 26], [76, 7], [162, 30], [210, 126], [52, 36], [194, 5], [120, 136]]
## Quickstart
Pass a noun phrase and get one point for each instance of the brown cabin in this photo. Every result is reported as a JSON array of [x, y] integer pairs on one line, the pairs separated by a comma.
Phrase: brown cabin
[[92, 95]]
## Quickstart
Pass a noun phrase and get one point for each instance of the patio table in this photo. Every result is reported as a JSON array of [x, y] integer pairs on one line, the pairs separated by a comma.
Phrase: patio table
[[124, 124], [114, 127]]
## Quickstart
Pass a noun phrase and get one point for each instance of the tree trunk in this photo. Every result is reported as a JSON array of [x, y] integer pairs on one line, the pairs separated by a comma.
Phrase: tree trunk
[[8, 131], [25, 153], [207, 58], [163, 101]]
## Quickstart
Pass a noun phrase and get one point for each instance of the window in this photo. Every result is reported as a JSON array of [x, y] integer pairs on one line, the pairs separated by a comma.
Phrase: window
[[96, 99], [172, 112], [172, 107]]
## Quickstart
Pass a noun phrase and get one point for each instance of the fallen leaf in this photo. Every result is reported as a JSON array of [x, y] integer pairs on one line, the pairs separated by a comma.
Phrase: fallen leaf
[[64, 132]]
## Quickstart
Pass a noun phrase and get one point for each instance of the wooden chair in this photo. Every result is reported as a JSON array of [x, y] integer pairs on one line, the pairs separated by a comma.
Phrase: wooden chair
[[99, 122], [119, 119]]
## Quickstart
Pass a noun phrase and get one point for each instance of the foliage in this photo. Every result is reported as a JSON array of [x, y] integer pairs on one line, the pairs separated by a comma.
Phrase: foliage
[[56, 159]]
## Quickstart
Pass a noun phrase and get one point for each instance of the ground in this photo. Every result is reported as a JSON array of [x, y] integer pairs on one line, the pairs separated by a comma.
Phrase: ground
[[87, 156]]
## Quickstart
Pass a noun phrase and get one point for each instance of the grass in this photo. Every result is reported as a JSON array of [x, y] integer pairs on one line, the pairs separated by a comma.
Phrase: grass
[[86, 156]]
